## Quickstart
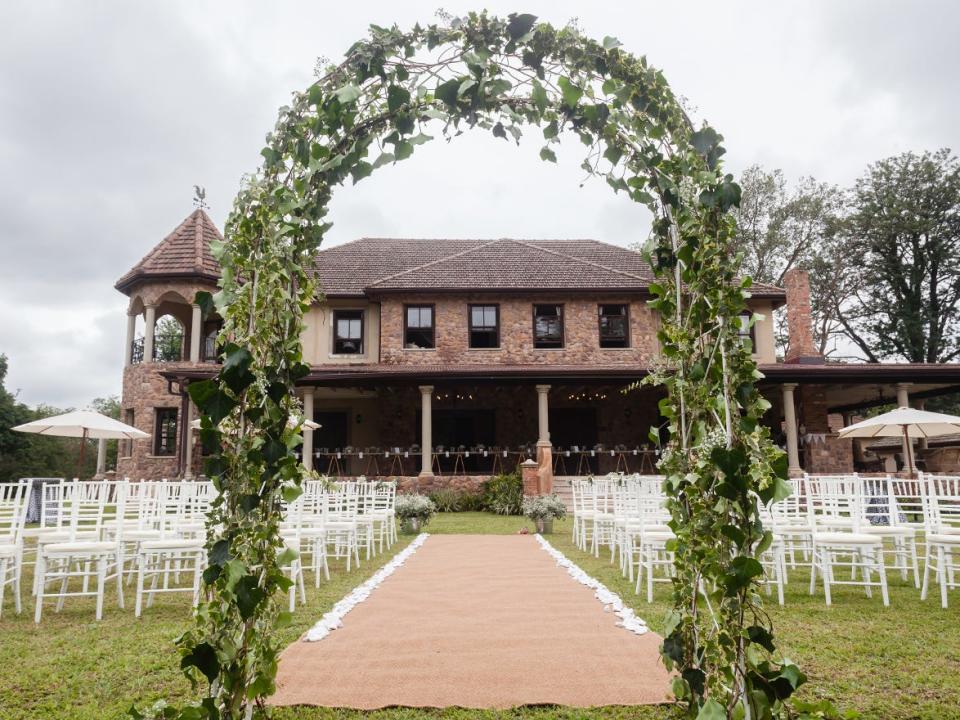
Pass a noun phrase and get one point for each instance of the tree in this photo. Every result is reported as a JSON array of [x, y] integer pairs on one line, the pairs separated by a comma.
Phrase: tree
[[779, 229], [904, 230]]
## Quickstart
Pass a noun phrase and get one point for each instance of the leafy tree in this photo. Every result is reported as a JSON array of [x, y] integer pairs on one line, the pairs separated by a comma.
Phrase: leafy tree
[[904, 231], [779, 229]]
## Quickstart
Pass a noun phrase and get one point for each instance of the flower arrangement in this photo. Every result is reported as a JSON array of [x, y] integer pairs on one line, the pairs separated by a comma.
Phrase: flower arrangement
[[414, 511], [543, 510]]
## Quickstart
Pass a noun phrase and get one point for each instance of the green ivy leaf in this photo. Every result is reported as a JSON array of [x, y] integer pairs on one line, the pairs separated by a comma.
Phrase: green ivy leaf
[[360, 170], [249, 595], [447, 92], [548, 154], [204, 658], [397, 97], [712, 710], [571, 93], [538, 95], [348, 94], [403, 150], [519, 25], [609, 43]]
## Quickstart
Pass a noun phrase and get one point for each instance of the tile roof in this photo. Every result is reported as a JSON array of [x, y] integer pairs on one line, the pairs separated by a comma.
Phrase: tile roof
[[379, 265], [183, 253]]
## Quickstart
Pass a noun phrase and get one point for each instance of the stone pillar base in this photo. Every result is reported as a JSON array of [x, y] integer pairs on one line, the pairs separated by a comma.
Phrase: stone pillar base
[[531, 478], [545, 466]]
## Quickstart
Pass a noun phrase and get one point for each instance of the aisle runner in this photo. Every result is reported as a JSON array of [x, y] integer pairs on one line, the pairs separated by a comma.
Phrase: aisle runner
[[480, 621]]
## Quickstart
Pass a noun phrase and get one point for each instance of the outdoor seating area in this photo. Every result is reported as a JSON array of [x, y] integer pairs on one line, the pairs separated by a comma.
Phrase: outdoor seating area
[[842, 529], [99, 537]]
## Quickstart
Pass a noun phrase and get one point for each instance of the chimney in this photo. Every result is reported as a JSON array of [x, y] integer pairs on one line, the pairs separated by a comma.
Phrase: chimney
[[799, 325]]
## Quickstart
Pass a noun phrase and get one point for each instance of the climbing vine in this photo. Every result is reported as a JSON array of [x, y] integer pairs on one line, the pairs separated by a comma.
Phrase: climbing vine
[[395, 91]]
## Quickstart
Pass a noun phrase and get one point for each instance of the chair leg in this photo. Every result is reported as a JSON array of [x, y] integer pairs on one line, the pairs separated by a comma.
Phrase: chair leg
[[942, 574], [926, 573], [913, 561], [40, 579], [138, 609], [883, 579], [65, 581], [827, 572], [3, 582], [101, 581]]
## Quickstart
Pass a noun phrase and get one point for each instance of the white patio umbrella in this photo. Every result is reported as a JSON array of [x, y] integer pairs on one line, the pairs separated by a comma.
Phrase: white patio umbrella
[[906, 422], [83, 424]]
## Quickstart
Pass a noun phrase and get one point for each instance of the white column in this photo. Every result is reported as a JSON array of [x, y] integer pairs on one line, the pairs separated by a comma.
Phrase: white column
[[101, 457], [148, 332], [188, 439], [196, 324], [426, 430], [128, 347], [543, 415], [790, 416], [308, 432], [903, 400]]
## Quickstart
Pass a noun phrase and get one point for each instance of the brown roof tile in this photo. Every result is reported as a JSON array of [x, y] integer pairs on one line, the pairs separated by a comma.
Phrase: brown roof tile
[[183, 253]]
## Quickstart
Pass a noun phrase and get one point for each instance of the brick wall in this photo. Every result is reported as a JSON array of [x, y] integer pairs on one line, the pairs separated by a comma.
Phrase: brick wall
[[801, 346], [822, 450], [581, 333]]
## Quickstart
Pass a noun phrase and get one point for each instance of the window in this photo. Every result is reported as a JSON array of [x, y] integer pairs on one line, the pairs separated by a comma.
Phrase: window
[[548, 326], [614, 326], [165, 431], [484, 326], [746, 329], [418, 327], [348, 332]]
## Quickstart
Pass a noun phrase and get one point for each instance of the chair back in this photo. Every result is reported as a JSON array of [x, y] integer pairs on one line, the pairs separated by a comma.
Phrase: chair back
[[13, 510], [941, 495]]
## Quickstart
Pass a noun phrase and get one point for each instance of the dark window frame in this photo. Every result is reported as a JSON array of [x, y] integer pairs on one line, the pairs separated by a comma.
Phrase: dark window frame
[[563, 334], [496, 327], [626, 318], [171, 436], [363, 331], [752, 333], [433, 325]]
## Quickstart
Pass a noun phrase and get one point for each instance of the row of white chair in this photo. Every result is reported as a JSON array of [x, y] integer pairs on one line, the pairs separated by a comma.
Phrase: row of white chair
[[830, 522], [93, 532]]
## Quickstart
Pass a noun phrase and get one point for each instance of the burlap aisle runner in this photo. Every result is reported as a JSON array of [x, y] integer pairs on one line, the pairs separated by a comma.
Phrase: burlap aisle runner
[[478, 621]]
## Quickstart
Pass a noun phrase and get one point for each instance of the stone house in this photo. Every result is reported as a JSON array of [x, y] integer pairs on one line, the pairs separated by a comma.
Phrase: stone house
[[486, 351]]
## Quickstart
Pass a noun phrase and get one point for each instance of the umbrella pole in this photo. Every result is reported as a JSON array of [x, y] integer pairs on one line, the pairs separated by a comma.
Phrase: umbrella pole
[[83, 446]]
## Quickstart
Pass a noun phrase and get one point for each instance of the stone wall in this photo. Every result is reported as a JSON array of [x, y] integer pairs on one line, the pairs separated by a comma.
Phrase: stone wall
[[821, 450], [581, 333], [145, 390]]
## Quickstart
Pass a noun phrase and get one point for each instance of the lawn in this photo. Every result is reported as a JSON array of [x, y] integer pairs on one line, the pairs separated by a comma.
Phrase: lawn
[[897, 662]]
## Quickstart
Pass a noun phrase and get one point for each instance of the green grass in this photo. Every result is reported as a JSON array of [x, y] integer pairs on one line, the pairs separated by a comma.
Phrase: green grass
[[898, 662]]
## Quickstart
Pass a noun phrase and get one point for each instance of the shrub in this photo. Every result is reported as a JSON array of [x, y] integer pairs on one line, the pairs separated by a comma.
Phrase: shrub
[[471, 502], [503, 494], [544, 507], [448, 499]]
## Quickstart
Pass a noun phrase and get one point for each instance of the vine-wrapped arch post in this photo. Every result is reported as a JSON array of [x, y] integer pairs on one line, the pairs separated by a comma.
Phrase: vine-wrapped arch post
[[499, 75]]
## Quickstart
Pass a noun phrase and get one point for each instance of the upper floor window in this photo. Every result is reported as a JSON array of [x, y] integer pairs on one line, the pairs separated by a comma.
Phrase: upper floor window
[[745, 330], [165, 431], [484, 326], [418, 327], [348, 332], [614, 326], [548, 326]]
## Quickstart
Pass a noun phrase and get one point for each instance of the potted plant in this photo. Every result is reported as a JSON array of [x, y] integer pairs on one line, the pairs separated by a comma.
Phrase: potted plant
[[414, 511], [543, 510]]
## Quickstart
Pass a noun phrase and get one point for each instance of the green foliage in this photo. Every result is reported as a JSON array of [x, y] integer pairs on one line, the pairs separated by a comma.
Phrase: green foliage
[[503, 494], [544, 507], [32, 455], [454, 500], [479, 72], [904, 230]]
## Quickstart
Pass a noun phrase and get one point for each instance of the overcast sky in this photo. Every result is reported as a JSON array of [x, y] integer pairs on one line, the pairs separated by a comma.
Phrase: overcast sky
[[110, 112]]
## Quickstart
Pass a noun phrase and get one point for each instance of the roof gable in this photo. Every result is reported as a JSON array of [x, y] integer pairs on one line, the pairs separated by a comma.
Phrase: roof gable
[[185, 252]]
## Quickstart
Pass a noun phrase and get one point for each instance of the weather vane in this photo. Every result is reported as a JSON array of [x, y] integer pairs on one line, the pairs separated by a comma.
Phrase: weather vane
[[200, 197]]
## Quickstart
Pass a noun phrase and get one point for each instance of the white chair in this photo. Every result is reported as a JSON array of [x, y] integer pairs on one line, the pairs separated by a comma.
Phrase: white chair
[[75, 552], [384, 513], [178, 549], [941, 496], [835, 505], [13, 513], [655, 533], [290, 533], [341, 525], [884, 517], [313, 528]]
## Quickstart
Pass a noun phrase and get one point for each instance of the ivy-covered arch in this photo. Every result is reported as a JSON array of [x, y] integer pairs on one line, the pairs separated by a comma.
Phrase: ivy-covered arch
[[394, 91]]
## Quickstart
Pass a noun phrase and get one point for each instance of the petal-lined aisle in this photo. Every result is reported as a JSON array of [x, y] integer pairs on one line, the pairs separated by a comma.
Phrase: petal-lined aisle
[[477, 621]]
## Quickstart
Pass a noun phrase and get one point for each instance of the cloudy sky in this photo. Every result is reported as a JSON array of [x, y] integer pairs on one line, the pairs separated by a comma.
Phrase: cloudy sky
[[110, 112]]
